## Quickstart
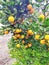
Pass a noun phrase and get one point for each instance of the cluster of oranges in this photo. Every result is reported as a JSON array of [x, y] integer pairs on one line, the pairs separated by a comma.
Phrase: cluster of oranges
[[30, 33], [42, 41], [26, 46], [45, 40], [19, 35]]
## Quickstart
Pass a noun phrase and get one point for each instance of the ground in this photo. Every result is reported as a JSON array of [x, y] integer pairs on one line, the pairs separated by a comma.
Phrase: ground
[[4, 51]]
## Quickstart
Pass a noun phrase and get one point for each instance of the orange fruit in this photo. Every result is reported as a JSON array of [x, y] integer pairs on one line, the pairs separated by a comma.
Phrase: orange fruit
[[11, 19], [18, 45], [42, 41], [29, 44], [31, 11], [29, 32], [42, 16], [18, 35], [14, 37], [47, 37], [29, 7], [26, 46], [22, 36], [6, 32], [37, 37], [18, 31]]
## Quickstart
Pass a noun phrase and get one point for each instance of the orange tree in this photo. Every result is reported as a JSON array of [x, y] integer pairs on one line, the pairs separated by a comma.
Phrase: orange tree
[[29, 43]]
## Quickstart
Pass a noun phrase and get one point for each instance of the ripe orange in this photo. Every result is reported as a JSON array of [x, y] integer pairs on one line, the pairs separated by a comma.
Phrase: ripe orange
[[18, 31], [6, 32], [42, 41], [22, 36], [42, 16], [37, 37], [14, 37], [18, 35], [29, 44], [29, 7], [18, 46], [47, 37], [29, 32], [11, 19], [26, 46]]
